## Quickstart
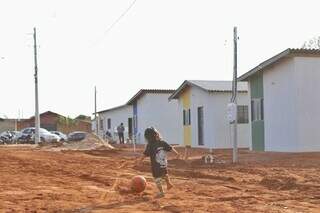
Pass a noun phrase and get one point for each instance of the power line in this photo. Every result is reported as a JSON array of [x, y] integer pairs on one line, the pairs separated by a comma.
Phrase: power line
[[118, 19]]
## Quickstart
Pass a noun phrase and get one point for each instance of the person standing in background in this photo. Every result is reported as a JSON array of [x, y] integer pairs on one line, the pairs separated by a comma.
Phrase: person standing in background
[[120, 130]]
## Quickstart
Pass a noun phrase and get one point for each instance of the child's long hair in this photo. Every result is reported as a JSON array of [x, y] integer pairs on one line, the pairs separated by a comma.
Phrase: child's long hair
[[152, 135]]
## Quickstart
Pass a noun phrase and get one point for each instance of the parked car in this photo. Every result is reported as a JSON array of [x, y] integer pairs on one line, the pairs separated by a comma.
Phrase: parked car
[[14, 135], [27, 135], [77, 136], [62, 136]]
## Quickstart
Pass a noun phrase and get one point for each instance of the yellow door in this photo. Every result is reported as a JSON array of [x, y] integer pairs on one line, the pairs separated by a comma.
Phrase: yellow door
[[186, 117]]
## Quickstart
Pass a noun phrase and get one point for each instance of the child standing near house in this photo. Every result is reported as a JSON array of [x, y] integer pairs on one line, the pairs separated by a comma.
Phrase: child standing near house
[[157, 150]]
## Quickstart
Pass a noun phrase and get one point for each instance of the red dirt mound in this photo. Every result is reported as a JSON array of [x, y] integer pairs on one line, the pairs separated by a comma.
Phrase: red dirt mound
[[43, 180], [279, 183], [178, 163]]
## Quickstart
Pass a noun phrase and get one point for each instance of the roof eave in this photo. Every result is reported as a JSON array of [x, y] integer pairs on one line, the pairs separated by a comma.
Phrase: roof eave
[[176, 93], [186, 83], [111, 109], [148, 91], [135, 97], [273, 60], [264, 65]]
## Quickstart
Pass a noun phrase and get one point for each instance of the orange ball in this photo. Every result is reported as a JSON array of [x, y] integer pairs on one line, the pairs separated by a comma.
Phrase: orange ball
[[138, 184]]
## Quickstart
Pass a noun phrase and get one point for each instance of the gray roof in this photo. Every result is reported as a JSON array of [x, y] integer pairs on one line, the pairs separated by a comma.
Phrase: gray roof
[[279, 57], [137, 96], [145, 91], [113, 108], [210, 86]]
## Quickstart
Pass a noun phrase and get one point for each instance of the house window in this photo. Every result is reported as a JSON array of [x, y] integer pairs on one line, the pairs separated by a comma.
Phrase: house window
[[186, 117], [101, 124], [243, 116], [109, 123], [257, 109]]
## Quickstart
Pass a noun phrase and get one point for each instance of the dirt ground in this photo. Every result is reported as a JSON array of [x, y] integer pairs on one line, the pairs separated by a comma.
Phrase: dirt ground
[[38, 180]]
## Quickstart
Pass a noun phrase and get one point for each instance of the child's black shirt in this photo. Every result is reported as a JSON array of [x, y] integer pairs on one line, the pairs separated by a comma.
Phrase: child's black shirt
[[157, 151]]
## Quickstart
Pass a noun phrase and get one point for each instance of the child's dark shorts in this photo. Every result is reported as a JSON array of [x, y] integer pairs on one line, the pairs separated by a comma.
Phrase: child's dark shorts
[[159, 172]]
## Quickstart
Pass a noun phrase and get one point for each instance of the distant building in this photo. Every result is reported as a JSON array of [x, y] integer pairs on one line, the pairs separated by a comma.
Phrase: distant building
[[202, 110], [7, 124], [284, 92], [55, 122], [152, 108], [110, 119]]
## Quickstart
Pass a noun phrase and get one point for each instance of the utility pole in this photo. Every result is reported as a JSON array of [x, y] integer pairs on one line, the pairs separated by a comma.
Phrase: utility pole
[[95, 109], [234, 97], [37, 117]]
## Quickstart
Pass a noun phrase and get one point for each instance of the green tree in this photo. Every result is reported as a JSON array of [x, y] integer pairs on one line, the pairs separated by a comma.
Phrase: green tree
[[83, 117], [313, 43]]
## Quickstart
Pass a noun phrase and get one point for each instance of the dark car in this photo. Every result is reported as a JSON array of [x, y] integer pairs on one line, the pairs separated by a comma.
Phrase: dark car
[[77, 136], [25, 136]]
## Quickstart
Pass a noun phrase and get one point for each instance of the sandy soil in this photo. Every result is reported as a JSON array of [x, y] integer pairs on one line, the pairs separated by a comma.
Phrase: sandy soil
[[37, 180]]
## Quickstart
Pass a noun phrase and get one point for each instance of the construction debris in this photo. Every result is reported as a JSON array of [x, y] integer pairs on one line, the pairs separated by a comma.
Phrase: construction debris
[[91, 142]]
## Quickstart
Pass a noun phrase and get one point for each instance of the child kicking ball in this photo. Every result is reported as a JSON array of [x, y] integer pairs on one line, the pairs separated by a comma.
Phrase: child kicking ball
[[157, 150]]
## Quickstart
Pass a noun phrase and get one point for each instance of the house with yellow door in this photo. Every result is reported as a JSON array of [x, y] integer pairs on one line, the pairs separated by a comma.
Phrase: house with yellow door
[[203, 108]]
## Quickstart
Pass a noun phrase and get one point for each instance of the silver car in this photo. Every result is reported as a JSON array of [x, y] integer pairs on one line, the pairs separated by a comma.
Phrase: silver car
[[62, 136], [45, 135]]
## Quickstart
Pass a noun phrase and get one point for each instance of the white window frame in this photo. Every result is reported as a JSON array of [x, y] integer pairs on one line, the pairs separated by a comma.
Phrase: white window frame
[[186, 117]]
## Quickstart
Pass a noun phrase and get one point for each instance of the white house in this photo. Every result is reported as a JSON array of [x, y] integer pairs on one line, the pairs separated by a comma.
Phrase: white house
[[285, 100], [203, 113], [110, 119], [152, 108]]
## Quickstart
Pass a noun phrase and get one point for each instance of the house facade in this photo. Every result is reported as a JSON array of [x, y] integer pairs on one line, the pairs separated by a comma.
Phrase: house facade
[[110, 119], [202, 107], [151, 108], [285, 111]]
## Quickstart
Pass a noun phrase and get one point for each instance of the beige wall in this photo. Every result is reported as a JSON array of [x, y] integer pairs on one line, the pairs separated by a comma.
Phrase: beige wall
[[7, 124]]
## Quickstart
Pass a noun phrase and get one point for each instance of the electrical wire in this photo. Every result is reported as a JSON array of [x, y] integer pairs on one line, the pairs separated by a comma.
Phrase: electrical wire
[[118, 19]]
